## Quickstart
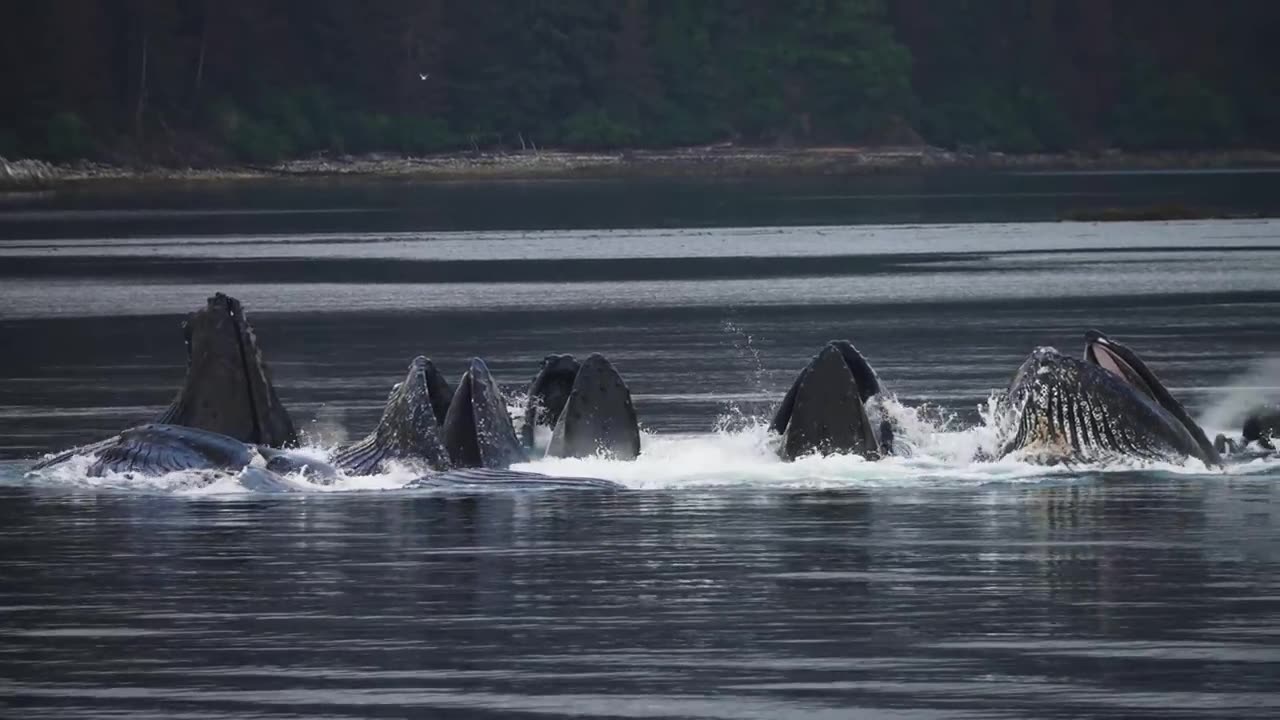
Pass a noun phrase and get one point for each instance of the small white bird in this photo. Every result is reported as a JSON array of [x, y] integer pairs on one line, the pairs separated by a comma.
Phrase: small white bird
[[423, 76]]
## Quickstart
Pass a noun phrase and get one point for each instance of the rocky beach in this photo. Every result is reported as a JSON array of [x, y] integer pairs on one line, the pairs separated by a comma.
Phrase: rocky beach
[[708, 161]]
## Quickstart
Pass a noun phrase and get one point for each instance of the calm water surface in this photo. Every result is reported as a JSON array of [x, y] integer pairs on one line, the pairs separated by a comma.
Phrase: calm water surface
[[729, 584]]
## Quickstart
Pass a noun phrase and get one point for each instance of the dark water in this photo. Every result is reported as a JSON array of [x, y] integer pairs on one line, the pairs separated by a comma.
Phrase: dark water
[[1081, 600], [729, 584], [390, 206]]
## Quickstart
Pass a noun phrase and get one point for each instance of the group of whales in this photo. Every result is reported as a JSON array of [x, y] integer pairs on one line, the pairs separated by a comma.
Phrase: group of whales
[[227, 417], [1109, 405]]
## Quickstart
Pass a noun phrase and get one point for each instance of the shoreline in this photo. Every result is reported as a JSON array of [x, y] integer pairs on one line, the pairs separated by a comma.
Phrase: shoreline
[[710, 162]]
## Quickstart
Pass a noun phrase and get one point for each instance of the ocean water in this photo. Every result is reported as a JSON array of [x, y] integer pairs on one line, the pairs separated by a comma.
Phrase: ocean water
[[725, 583]]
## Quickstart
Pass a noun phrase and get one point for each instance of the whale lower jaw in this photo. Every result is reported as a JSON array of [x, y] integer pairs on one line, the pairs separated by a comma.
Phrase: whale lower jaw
[[372, 456], [156, 449], [1070, 428], [1056, 425]]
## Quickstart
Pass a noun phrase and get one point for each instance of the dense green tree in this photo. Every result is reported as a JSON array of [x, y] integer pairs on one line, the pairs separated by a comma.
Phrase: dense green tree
[[204, 80]]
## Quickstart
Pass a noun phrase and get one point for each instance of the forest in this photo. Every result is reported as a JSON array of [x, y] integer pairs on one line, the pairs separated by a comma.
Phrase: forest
[[209, 81]]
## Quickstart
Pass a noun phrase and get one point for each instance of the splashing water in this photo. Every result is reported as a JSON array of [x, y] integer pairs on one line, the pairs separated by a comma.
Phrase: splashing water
[[328, 426], [737, 417], [747, 456], [739, 452], [744, 345], [1257, 385]]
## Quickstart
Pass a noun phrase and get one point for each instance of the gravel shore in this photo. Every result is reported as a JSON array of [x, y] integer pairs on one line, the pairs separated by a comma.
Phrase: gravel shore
[[712, 161]]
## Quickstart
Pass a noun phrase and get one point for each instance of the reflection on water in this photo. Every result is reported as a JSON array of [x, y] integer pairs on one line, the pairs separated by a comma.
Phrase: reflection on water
[[1059, 601], [277, 206]]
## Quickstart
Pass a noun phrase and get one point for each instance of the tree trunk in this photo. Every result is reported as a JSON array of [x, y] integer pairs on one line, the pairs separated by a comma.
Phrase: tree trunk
[[204, 42], [142, 89]]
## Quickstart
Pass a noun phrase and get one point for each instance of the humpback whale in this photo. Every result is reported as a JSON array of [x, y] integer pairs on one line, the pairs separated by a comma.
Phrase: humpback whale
[[477, 428], [824, 411], [227, 418], [158, 448], [1260, 426], [548, 392], [408, 430], [227, 392], [1126, 364], [597, 416], [1108, 405], [586, 405], [228, 387]]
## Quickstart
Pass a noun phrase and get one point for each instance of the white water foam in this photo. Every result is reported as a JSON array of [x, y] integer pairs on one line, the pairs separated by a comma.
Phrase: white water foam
[[1258, 385], [931, 453], [741, 452]]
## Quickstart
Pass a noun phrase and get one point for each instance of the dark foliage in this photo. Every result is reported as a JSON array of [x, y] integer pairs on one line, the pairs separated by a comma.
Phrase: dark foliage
[[260, 81]]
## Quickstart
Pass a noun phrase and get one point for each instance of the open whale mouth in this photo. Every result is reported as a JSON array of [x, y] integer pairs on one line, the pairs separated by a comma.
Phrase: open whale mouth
[[1121, 362], [825, 412], [477, 430], [548, 394], [1125, 364]]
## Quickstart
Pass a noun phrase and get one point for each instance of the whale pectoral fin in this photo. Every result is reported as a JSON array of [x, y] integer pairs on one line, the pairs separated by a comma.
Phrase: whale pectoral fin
[[228, 386], [477, 429], [598, 416], [827, 415], [157, 449]]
